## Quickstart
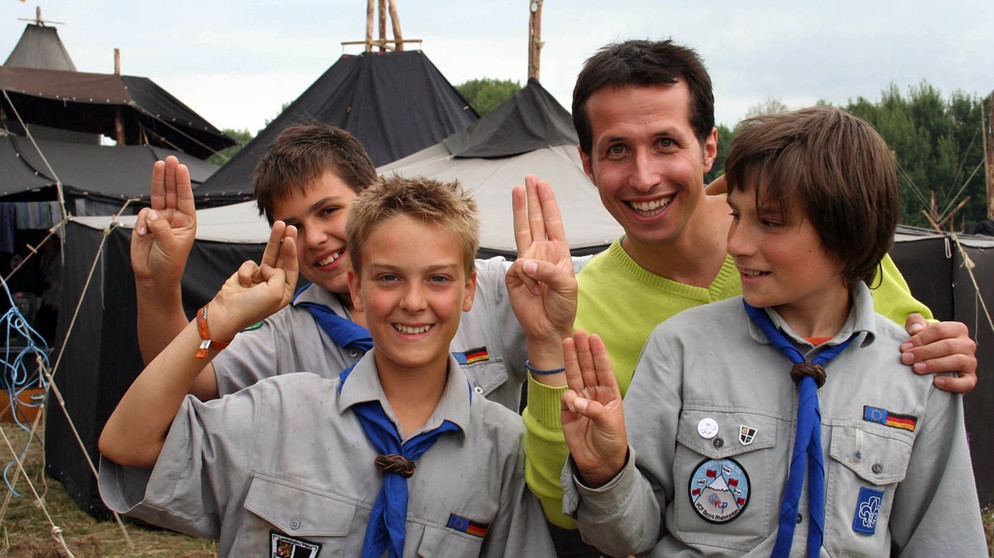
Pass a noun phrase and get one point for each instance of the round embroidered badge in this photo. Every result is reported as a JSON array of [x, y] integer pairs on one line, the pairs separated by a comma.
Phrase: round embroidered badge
[[719, 490]]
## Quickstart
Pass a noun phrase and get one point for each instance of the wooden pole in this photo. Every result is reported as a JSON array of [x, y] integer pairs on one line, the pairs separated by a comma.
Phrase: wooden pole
[[119, 135], [369, 25], [989, 153], [383, 25], [534, 38], [398, 36]]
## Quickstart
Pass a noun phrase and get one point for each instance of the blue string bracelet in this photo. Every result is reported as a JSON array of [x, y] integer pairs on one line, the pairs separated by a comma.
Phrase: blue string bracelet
[[541, 372]]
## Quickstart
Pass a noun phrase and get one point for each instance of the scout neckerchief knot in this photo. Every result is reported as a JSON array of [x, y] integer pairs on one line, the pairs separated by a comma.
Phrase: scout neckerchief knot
[[345, 333], [809, 376], [388, 520]]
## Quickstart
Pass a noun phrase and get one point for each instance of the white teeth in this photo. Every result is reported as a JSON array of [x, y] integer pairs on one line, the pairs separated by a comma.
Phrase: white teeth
[[330, 259], [751, 273], [408, 330], [650, 207]]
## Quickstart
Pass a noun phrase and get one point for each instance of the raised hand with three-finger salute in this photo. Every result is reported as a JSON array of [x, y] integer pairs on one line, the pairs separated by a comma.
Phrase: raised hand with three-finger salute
[[593, 416]]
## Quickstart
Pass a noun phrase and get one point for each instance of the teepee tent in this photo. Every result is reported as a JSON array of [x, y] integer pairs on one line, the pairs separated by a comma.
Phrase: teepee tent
[[531, 133], [394, 102]]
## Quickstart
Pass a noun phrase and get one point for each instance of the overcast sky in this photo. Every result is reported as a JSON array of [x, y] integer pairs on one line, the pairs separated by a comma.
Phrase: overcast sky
[[236, 62]]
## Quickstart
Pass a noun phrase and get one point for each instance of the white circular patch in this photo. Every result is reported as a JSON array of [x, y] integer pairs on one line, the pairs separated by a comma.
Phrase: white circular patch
[[707, 428]]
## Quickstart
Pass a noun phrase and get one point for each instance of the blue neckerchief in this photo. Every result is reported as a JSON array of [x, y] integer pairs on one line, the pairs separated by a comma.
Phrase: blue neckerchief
[[807, 443], [387, 526], [345, 333]]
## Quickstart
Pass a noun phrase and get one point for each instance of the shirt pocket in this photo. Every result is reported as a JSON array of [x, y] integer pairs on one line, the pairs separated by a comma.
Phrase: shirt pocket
[[298, 512], [486, 376], [724, 474], [439, 542], [867, 464]]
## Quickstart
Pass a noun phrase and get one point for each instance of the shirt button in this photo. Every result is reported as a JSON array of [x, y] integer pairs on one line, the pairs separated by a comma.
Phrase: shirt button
[[799, 518], [355, 353], [295, 524], [717, 442], [478, 390], [877, 468]]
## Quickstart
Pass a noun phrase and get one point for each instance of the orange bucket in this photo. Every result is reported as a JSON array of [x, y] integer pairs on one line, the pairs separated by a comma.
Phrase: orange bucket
[[24, 409]]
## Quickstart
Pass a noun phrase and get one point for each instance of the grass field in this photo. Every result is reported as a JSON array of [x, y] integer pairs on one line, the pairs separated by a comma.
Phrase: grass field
[[27, 528]]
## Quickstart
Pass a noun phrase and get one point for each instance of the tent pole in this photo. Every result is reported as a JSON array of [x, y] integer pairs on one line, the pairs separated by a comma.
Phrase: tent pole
[[398, 36], [369, 25], [988, 135], [534, 38], [383, 25]]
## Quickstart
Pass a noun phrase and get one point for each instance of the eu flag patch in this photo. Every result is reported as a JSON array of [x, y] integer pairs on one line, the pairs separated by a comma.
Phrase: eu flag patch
[[466, 525], [864, 519], [887, 418], [478, 354]]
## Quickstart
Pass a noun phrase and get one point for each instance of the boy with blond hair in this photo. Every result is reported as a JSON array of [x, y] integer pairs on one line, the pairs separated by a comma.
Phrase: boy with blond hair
[[396, 455]]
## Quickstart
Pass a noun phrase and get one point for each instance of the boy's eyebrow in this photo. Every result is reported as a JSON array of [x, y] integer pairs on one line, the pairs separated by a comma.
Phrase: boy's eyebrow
[[431, 268]]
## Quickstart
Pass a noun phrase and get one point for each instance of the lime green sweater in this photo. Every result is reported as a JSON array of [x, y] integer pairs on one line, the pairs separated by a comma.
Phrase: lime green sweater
[[622, 303]]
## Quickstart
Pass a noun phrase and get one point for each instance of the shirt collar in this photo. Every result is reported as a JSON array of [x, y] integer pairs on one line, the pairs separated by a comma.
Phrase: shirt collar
[[454, 406], [861, 321]]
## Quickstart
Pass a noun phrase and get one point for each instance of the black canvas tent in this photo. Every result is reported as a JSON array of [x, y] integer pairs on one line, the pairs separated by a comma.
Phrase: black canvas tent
[[110, 174], [94, 103], [40, 47], [394, 102], [531, 133]]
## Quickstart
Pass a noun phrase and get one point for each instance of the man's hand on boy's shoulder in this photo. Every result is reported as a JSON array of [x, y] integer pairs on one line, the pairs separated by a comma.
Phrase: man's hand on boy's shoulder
[[936, 347]]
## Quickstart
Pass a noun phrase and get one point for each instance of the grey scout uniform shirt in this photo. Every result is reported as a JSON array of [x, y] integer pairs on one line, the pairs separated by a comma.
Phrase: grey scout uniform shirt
[[710, 417], [490, 343], [286, 461]]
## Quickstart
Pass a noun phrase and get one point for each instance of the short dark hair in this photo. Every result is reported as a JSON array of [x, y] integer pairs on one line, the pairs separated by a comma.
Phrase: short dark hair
[[433, 202], [642, 63], [832, 164], [302, 153]]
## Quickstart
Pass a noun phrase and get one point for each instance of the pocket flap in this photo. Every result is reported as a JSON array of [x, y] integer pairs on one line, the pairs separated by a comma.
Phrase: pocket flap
[[486, 376], [875, 457], [737, 432], [299, 510]]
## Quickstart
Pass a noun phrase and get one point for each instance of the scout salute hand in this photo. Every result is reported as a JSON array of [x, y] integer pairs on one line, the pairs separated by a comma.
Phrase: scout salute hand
[[541, 282], [160, 245], [136, 430], [592, 414]]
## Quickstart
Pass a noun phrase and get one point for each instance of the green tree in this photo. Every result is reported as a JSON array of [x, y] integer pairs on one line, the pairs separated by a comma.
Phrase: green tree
[[769, 106], [486, 94], [240, 136], [938, 146]]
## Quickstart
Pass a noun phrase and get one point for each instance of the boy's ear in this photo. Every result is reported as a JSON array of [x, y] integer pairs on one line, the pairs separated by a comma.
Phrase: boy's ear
[[355, 289], [470, 292]]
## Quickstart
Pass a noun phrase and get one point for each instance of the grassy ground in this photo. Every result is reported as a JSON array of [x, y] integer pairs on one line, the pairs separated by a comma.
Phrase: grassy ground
[[26, 528]]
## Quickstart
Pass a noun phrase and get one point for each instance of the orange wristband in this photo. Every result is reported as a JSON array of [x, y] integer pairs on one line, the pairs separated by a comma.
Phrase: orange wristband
[[205, 334]]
